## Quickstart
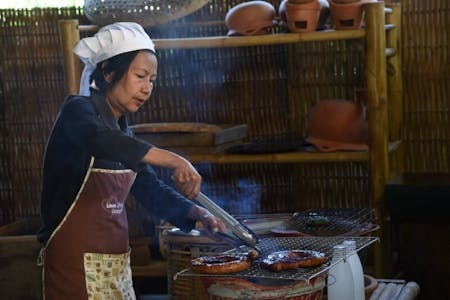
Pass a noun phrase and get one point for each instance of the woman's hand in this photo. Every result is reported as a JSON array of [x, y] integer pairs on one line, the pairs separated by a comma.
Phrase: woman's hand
[[209, 221], [186, 178]]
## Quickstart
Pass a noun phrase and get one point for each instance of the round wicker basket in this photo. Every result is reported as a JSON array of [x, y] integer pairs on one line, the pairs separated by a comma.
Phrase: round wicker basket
[[145, 12]]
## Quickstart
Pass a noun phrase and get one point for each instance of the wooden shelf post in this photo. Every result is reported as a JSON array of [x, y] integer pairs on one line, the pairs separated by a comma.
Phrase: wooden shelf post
[[70, 35], [378, 116]]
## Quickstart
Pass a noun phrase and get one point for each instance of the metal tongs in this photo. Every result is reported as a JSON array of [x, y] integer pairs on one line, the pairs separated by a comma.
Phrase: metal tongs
[[243, 233]]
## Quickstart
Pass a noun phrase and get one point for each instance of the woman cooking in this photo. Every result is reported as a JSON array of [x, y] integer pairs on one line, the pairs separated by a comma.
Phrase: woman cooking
[[92, 161]]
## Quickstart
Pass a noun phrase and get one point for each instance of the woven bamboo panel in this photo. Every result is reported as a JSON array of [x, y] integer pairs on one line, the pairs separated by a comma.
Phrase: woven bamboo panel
[[33, 87], [218, 86], [426, 77]]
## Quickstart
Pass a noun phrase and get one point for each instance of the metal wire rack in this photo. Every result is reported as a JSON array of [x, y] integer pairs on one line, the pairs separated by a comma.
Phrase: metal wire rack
[[269, 245], [332, 222]]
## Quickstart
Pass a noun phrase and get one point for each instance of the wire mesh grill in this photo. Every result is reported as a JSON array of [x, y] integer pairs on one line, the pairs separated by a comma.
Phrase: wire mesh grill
[[270, 245], [331, 222]]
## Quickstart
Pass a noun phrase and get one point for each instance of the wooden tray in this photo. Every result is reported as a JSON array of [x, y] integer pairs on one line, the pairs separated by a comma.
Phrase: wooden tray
[[186, 134]]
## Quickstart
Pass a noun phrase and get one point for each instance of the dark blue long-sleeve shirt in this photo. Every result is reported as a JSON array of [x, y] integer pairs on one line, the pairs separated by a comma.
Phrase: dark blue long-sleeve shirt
[[85, 127]]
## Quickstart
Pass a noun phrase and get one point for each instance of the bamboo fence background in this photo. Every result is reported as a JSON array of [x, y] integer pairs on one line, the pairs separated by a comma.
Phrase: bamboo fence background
[[253, 87]]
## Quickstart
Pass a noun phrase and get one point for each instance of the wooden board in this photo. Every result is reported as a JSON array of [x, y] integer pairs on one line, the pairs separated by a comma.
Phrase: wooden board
[[189, 134]]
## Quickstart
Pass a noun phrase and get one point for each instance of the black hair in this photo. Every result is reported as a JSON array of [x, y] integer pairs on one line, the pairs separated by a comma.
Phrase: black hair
[[117, 65]]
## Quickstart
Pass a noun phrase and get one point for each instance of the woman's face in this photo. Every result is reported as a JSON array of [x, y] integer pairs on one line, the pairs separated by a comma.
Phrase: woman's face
[[135, 87]]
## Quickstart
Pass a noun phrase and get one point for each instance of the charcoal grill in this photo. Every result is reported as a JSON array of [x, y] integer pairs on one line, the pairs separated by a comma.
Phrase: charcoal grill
[[272, 244]]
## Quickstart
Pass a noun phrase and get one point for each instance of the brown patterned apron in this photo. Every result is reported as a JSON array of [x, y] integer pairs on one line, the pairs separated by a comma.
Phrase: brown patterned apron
[[87, 256]]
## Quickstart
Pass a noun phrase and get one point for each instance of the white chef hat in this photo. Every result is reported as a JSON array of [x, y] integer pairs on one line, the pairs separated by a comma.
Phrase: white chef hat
[[109, 41]]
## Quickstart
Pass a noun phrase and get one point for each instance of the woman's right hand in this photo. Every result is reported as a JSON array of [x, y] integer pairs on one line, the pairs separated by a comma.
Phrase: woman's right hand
[[187, 179]]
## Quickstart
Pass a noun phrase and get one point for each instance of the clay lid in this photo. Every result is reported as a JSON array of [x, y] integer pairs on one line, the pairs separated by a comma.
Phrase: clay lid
[[338, 125], [250, 18]]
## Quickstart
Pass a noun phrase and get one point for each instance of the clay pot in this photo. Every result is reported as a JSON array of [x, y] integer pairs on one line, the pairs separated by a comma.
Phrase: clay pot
[[348, 14], [306, 15], [370, 285], [338, 125], [250, 18]]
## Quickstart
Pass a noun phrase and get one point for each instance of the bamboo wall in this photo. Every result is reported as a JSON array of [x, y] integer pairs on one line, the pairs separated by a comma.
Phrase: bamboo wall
[[426, 76], [253, 86]]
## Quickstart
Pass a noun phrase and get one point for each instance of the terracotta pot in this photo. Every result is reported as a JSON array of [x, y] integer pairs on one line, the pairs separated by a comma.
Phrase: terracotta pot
[[348, 15], [250, 18], [337, 124], [370, 285], [303, 17]]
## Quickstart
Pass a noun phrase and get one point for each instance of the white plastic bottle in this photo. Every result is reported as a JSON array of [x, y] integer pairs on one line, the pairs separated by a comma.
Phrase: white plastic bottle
[[356, 268], [340, 279]]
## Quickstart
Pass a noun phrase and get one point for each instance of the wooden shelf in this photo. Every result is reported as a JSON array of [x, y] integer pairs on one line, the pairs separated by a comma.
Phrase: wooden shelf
[[246, 41], [286, 157], [258, 40]]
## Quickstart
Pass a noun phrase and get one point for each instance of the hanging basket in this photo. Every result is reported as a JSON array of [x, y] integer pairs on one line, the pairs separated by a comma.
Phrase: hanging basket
[[145, 12]]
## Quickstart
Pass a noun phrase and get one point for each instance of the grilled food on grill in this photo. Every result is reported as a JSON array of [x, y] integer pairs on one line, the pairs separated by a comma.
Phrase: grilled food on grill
[[292, 259], [318, 220], [224, 263]]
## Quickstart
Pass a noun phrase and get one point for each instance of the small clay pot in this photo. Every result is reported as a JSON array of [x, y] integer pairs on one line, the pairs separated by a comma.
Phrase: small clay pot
[[348, 15], [303, 17], [250, 18], [370, 285]]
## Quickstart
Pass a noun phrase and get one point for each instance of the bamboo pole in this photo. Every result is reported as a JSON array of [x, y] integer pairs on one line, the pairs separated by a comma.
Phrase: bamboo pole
[[395, 87], [377, 105], [70, 36], [246, 41]]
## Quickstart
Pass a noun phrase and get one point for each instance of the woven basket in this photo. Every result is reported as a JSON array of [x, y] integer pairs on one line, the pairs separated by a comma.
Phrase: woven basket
[[180, 250], [145, 12]]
